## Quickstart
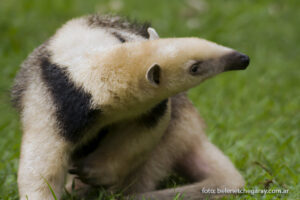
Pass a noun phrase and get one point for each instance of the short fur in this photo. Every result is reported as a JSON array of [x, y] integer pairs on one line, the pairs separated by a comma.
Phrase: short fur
[[90, 105]]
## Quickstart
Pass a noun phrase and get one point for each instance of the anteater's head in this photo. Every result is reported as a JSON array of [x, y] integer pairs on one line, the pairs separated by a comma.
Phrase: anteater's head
[[175, 65], [157, 69]]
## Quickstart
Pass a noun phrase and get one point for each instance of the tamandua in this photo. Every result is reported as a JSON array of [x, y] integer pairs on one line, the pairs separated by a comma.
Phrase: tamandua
[[105, 99]]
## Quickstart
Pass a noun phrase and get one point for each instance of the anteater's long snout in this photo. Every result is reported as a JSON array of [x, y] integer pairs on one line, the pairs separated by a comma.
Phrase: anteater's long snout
[[235, 61]]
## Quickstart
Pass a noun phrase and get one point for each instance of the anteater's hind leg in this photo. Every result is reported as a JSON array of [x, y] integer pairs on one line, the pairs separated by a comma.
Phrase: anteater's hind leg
[[185, 148], [209, 168]]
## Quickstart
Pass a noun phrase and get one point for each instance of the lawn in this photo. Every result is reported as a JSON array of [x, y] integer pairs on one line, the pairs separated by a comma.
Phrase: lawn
[[252, 115]]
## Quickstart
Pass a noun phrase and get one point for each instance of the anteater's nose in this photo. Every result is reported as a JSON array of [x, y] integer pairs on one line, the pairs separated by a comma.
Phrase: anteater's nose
[[236, 61], [245, 60]]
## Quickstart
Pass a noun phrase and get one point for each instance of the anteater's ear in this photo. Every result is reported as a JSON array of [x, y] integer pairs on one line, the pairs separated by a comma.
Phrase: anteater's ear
[[153, 74], [152, 34]]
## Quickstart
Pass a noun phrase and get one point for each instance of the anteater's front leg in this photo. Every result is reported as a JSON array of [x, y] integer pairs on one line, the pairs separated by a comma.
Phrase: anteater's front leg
[[44, 151], [43, 161]]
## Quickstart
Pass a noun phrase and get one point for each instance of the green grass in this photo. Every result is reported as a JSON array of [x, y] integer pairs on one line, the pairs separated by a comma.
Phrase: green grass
[[252, 115]]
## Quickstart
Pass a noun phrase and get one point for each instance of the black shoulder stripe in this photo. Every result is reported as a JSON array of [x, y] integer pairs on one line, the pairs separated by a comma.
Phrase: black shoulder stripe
[[89, 146], [152, 117], [73, 104], [119, 36]]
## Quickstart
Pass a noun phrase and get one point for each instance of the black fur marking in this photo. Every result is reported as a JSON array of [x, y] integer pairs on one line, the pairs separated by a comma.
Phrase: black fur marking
[[73, 104], [152, 117], [89, 146], [119, 23], [120, 37]]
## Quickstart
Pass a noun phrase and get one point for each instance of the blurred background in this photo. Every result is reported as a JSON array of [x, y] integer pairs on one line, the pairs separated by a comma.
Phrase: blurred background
[[252, 115]]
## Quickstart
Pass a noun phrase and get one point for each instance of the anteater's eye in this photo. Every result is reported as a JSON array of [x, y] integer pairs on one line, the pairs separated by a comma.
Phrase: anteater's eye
[[195, 67]]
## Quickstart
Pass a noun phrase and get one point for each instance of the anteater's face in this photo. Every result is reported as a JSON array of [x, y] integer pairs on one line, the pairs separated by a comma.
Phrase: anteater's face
[[174, 65]]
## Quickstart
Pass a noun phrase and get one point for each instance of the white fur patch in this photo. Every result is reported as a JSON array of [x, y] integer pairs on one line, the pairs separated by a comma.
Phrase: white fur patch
[[74, 41]]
